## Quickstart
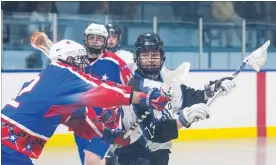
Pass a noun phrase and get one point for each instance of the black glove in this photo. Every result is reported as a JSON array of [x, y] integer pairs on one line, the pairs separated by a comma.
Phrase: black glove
[[213, 86], [111, 136]]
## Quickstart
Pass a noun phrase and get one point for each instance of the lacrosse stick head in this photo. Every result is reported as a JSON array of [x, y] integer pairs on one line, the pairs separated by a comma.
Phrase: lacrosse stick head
[[41, 42], [257, 58]]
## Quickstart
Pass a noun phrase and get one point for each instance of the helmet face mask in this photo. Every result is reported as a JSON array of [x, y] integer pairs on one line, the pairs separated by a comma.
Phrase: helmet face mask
[[95, 39], [95, 44], [150, 63], [149, 55], [79, 61], [69, 52], [82, 62]]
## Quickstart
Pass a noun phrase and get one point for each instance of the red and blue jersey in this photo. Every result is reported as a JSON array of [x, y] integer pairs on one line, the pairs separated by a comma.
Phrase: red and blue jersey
[[109, 67], [30, 119]]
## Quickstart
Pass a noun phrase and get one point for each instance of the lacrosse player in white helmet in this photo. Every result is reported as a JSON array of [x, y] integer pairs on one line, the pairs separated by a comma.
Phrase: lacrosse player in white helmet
[[107, 66]]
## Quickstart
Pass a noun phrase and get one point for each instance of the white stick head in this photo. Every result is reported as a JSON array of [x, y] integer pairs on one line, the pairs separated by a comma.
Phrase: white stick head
[[258, 58], [178, 75]]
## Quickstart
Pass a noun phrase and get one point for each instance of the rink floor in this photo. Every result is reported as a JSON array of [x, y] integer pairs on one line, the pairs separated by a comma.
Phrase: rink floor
[[212, 152]]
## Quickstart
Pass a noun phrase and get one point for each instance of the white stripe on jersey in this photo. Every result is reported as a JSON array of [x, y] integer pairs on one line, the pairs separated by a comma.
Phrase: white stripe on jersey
[[91, 82], [13, 103], [76, 73], [110, 59], [92, 125]]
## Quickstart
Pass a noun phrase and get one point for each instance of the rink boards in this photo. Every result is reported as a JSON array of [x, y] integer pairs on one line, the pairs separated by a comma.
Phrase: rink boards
[[248, 111]]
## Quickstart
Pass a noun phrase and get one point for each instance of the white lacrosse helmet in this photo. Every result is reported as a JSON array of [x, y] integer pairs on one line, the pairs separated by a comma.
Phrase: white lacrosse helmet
[[70, 52], [97, 30]]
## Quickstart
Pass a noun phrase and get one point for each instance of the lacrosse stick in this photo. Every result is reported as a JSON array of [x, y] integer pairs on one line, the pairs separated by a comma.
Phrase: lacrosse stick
[[41, 42], [256, 60], [113, 147]]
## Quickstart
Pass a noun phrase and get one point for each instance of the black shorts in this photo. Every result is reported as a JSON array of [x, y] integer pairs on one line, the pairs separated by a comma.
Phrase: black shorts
[[138, 154], [160, 157]]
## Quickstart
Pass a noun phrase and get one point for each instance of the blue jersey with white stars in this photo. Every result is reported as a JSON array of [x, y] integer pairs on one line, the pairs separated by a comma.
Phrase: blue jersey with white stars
[[109, 67]]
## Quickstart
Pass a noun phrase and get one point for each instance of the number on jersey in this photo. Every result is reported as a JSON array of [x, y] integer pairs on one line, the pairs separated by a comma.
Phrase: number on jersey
[[26, 89]]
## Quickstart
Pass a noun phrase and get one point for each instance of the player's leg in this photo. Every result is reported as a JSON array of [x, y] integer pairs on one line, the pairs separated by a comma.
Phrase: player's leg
[[92, 158], [95, 152], [81, 143], [134, 154], [12, 157], [160, 157], [111, 159]]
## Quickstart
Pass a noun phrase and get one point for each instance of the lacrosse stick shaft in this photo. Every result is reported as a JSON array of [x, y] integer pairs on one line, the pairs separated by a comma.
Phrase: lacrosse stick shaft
[[113, 147], [237, 71], [256, 60]]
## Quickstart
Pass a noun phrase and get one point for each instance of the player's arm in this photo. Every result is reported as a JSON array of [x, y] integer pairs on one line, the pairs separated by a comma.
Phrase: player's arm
[[164, 131], [110, 94], [192, 96], [84, 90], [184, 96]]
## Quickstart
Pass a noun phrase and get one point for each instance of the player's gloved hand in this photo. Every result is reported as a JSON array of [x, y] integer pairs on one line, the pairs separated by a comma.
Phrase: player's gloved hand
[[193, 114], [153, 98], [80, 122], [225, 83], [111, 116], [111, 136], [75, 119]]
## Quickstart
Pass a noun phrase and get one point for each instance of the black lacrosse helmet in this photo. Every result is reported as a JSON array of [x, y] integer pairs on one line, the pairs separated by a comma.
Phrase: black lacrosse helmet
[[114, 30], [149, 42]]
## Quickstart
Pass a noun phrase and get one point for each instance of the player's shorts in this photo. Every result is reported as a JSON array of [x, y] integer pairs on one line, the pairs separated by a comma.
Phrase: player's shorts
[[160, 157], [81, 146], [12, 157], [96, 146], [137, 153], [134, 153]]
